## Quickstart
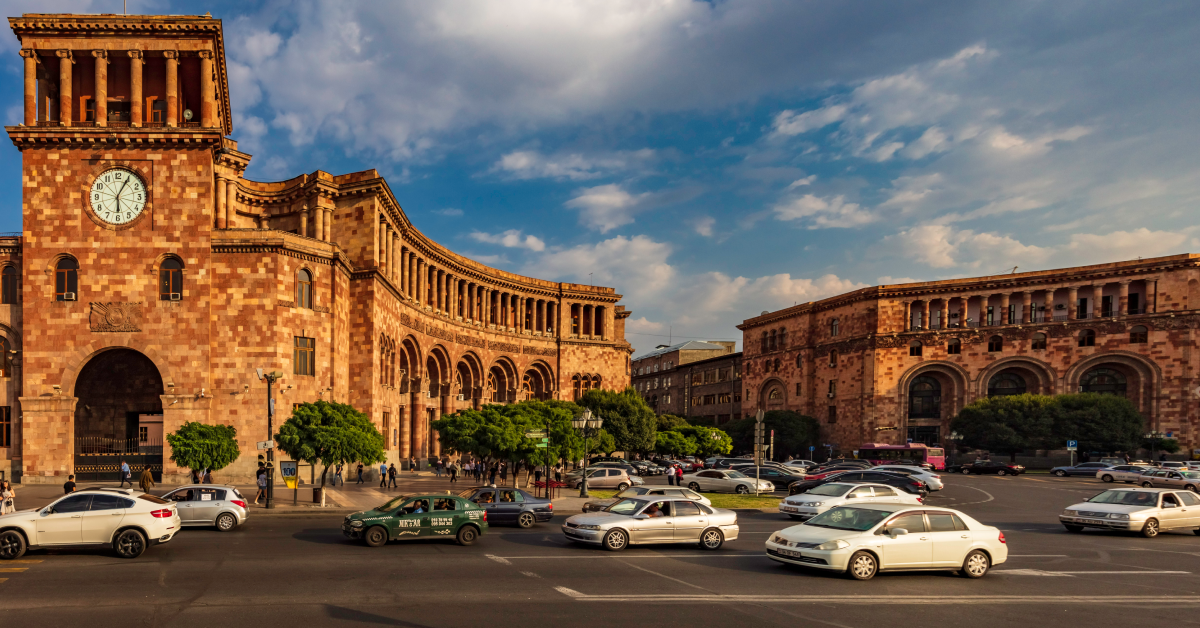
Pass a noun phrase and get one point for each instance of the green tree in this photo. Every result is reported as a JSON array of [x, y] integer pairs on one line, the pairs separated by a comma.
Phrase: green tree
[[1167, 445], [710, 441], [1105, 423], [668, 422], [199, 446], [1006, 424], [627, 417], [498, 432], [794, 432], [674, 444], [329, 433]]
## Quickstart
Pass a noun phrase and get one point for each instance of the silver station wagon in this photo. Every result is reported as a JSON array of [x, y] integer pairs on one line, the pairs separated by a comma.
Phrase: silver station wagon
[[638, 520], [1145, 510]]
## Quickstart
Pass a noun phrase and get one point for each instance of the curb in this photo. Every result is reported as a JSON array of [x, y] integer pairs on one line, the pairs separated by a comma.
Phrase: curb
[[263, 512]]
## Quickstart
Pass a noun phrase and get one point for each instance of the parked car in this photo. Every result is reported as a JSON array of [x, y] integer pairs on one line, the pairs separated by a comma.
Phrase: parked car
[[1145, 510], [606, 478], [418, 517], [748, 468], [717, 480], [801, 464], [596, 505], [781, 477], [1112, 461], [627, 468], [508, 506], [634, 521], [1169, 478], [724, 463], [1123, 473], [987, 467], [816, 501], [820, 473], [210, 505], [127, 521], [645, 467], [1083, 468], [931, 479], [1172, 464], [864, 540], [905, 483]]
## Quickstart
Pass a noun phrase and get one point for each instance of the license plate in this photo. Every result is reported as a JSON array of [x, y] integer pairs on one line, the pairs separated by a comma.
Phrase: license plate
[[789, 553], [1094, 521], [789, 509]]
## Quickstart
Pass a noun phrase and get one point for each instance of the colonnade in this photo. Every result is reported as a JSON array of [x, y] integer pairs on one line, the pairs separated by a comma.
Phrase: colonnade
[[1062, 303]]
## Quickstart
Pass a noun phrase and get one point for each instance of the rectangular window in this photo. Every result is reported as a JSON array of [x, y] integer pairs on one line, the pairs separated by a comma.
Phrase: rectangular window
[[697, 379], [797, 389], [118, 111], [8, 285], [1134, 305], [990, 320], [387, 424], [89, 111], [737, 397], [158, 111], [304, 356], [1106, 306], [833, 414], [1081, 308], [143, 434], [1012, 314], [5, 426]]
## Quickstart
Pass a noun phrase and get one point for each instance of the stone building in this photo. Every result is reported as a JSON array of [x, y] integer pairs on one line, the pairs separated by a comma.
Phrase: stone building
[[897, 362], [713, 389], [659, 377], [152, 278]]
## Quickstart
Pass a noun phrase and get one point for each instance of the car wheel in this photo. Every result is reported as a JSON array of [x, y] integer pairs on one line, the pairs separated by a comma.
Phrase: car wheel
[[712, 539], [526, 520], [226, 522], [1071, 528], [862, 566], [695, 487], [130, 544], [741, 489], [976, 564], [622, 486], [616, 540], [376, 536], [966, 472], [12, 545], [1191, 487], [1001, 472], [1150, 530], [467, 535], [1060, 473], [1147, 485], [1196, 531], [1106, 477]]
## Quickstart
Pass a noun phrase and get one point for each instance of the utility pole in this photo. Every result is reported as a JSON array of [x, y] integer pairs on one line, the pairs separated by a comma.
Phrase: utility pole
[[270, 378]]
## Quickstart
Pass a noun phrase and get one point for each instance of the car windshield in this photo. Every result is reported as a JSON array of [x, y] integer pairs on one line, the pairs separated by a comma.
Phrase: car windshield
[[627, 506], [632, 491], [843, 518], [1191, 475], [831, 490], [1125, 498], [393, 503], [736, 474]]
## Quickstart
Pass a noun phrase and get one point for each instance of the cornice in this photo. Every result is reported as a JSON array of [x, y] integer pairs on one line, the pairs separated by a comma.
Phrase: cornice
[[25, 137]]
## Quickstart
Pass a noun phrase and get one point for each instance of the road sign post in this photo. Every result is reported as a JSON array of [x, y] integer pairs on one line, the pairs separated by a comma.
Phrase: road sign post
[[290, 470], [1072, 446], [758, 447]]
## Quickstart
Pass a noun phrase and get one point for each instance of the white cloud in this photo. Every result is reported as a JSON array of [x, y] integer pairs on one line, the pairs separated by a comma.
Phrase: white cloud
[[453, 212], [704, 226], [511, 239], [1014, 145], [933, 140], [531, 164], [789, 122], [1090, 248], [943, 246], [820, 212], [606, 207], [637, 265]]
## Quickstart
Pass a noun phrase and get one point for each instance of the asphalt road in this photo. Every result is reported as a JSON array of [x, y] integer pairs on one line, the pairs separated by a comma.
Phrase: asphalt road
[[298, 570]]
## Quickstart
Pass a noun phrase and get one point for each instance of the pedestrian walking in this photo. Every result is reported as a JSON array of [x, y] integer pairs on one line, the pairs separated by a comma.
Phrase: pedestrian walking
[[69, 485], [126, 474], [492, 473], [412, 464], [146, 481], [478, 471], [537, 475], [360, 472], [503, 473], [383, 474], [391, 472], [337, 475], [208, 479], [558, 473], [437, 468], [7, 495], [453, 472], [679, 476], [261, 480]]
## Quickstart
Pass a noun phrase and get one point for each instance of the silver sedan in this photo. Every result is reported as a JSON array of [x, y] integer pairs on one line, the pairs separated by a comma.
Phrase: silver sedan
[[596, 505], [634, 521], [209, 505], [1130, 473]]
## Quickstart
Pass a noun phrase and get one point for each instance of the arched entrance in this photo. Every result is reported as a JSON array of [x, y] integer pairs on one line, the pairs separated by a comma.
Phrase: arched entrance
[[119, 415], [1007, 383], [925, 405]]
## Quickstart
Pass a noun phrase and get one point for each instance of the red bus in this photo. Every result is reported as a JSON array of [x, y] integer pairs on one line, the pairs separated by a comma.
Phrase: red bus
[[917, 453]]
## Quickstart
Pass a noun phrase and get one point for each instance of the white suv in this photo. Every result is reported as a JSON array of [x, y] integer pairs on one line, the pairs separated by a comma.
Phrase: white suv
[[123, 519]]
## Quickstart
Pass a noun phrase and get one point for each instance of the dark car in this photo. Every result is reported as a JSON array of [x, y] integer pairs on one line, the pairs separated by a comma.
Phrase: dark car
[[1088, 469], [985, 467], [418, 516], [624, 466], [645, 467], [778, 476], [820, 473], [902, 482], [508, 506]]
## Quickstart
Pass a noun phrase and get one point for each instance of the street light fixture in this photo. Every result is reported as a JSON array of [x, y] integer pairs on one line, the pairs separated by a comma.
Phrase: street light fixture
[[585, 422], [270, 378]]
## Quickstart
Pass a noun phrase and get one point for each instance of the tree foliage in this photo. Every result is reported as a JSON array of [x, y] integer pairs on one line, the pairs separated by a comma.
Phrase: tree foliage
[[1006, 424], [498, 432], [1106, 423], [709, 441], [674, 444], [627, 417], [668, 422], [794, 433], [199, 446], [329, 433]]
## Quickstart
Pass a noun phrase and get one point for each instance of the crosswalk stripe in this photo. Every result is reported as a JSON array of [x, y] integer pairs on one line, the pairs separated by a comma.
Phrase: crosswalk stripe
[[13, 569]]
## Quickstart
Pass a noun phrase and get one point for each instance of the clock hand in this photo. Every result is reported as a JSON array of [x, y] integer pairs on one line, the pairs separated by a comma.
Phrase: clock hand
[[119, 194]]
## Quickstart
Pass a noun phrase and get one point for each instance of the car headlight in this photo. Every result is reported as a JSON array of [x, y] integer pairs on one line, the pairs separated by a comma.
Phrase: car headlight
[[588, 527], [778, 540], [356, 524], [1069, 513], [1116, 515], [814, 504], [833, 545]]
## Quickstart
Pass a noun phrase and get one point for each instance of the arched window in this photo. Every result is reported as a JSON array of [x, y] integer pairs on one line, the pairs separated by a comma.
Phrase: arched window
[[925, 398], [66, 280], [596, 382], [764, 342], [304, 289], [954, 346], [8, 285], [800, 361], [776, 365], [833, 328], [1039, 342], [775, 394], [576, 386], [1137, 335], [5, 362], [783, 339], [771, 343], [833, 358], [914, 349], [995, 343], [170, 280], [1006, 383], [1104, 381], [1087, 338], [832, 388]]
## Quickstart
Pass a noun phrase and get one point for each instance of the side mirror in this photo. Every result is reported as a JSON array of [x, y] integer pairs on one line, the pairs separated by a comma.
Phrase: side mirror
[[641, 517], [1170, 505], [895, 532], [851, 496]]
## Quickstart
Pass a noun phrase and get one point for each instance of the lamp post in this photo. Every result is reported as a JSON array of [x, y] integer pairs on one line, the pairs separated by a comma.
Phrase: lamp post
[[1153, 437], [270, 378], [585, 422], [953, 437]]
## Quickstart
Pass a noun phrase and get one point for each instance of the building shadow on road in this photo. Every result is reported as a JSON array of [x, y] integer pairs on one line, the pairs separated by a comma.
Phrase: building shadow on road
[[350, 614]]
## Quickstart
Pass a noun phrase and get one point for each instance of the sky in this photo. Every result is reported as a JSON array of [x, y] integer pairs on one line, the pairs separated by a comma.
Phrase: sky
[[714, 160]]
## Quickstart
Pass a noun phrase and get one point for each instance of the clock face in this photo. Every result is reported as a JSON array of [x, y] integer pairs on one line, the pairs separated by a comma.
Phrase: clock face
[[118, 196]]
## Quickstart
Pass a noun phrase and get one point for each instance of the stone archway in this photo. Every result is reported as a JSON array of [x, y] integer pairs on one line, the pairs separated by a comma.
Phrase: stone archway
[[118, 414], [928, 396], [1006, 376], [1141, 378]]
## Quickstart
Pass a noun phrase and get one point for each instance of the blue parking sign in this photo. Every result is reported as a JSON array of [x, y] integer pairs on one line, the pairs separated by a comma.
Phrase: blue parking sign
[[1072, 444], [812, 448]]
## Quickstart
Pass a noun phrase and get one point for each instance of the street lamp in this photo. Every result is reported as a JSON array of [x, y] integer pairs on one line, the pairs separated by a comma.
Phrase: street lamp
[[585, 422], [1153, 437], [953, 437], [270, 378]]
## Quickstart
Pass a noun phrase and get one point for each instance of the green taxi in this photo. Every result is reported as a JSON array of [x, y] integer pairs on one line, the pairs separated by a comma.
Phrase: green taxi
[[418, 517]]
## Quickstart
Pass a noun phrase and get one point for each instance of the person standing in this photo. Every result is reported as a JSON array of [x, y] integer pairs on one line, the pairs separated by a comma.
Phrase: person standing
[[383, 474], [412, 464], [679, 476], [126, 474], [671, 476], [391, 472], [360, 473], [537, 475], [261, 481], [453, 472], [503, 473], [437, 468], [69, 485], [146, 481], [337, 475], [558, 473], [208, 479], [492, 473], [7, 497]]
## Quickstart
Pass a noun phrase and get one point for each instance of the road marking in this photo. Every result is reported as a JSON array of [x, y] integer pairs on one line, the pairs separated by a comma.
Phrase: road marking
[[901, 600], [3, 579], [984, 501], [25, 561], [530, 574], [13, 569], [1068, 574], [504, 559], [498, 559]]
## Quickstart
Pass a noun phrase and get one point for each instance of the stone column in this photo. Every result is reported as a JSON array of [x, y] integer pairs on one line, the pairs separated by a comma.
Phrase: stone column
[[1123, 300], [1097, 299], [1152, 297], [329, 225], [541, 326], [1072, 303], [101, 87], [304, 220], [64, 87], [208, 90], [907, 315], [552, 317], [417, 280], [397, 257], [405, 418], [391, 252], [135, 88], [442, 287], [925, 314], [31, 85], [412, 276], [1027, 313], [230, 200], [319, 219], [1004, 309], [172, 87], [220, 210]]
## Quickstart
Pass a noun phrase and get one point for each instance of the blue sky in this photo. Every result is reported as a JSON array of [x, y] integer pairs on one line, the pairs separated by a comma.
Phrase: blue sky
[[712, 160]]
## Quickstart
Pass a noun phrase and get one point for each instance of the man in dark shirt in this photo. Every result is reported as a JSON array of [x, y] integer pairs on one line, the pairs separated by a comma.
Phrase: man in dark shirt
[[69, 486]]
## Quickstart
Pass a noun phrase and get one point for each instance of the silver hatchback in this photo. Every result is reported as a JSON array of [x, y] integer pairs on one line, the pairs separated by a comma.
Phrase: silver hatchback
[[1130, 473], [1171, 478], [217, 505]]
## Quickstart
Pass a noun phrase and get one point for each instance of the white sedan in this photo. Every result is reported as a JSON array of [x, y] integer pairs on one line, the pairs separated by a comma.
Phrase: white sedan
[[717, 480], [122, 519], [931, 479], [864, 540], [826, 496]]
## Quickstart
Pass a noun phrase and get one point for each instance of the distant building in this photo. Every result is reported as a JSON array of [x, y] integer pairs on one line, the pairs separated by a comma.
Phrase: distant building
[[659, 378], [713, 389]]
